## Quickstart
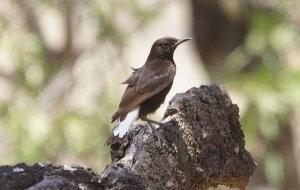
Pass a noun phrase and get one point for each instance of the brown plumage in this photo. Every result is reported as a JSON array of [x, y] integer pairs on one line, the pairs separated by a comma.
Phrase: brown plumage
[[148, 85]]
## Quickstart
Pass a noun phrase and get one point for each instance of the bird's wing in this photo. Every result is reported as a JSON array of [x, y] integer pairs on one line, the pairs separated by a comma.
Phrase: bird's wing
[[140, 88], [134, 77]]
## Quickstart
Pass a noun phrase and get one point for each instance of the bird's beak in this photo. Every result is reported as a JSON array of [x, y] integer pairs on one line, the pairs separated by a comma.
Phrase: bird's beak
[[180, 41]]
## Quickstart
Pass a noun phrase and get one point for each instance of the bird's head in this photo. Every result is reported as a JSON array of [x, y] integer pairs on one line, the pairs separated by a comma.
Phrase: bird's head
[[164, 48]]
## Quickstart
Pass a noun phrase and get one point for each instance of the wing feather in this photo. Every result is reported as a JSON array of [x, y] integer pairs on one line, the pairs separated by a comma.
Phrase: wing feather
[[140, 89]]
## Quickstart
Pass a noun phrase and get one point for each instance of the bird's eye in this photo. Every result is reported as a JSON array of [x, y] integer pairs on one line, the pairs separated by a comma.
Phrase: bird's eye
[[165, 45]]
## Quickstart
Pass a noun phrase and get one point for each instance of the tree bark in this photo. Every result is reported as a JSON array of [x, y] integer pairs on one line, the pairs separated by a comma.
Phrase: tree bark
[[199, 145]]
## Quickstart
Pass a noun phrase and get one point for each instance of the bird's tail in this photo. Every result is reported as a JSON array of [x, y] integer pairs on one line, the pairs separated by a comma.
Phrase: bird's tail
[[121, 129]]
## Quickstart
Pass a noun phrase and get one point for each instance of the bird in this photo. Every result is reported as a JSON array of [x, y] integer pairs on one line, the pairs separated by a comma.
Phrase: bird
[[147, 87]]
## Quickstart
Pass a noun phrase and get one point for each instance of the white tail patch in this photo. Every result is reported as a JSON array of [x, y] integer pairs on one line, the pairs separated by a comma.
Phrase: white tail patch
[[124, 125]]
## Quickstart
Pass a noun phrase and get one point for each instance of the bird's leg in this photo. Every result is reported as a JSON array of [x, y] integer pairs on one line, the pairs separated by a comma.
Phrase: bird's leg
[[150, 121]]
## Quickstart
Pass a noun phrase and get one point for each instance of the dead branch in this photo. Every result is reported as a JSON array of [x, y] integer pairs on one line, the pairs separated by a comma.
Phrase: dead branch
[[200, 145]]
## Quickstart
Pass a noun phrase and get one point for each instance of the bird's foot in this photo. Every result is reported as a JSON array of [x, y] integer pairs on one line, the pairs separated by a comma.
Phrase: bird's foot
[[150, 121]]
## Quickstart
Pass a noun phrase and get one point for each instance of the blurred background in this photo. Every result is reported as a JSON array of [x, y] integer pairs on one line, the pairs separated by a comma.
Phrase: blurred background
[[61, 63]]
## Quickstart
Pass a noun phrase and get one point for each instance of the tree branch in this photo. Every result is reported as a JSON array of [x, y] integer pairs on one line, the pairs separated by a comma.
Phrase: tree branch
[[200, 145]]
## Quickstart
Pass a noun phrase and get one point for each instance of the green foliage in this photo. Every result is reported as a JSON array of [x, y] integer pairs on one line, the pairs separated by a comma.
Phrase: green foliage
[[118, 19], [269, 82], [31, 130]]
